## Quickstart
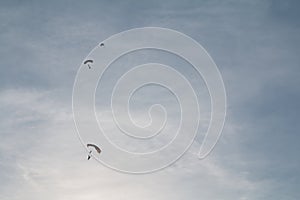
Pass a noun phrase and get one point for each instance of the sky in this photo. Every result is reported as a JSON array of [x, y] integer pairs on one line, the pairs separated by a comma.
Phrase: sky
[[255, 45]]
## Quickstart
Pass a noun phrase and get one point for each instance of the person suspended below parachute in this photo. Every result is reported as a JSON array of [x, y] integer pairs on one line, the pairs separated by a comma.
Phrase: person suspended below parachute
[[88, 63], [94, 147]]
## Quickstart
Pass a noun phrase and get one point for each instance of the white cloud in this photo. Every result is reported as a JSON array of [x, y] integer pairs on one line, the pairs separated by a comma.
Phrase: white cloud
[[40, 155], [53, 165]]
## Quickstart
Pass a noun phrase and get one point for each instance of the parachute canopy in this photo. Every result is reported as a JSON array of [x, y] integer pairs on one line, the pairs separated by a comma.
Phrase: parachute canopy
[[88, 61], [97, 148]]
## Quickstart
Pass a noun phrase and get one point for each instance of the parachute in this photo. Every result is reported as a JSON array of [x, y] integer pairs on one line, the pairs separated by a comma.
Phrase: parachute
[[87, 62], [102, 45], [97, 148], [90, 152]]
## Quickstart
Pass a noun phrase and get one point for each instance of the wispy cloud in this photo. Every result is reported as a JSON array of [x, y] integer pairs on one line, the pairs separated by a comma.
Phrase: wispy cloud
[[256, 46]]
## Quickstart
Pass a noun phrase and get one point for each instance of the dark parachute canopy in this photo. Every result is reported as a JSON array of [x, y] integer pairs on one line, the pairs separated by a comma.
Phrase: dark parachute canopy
[[87, 62], [94, 146]]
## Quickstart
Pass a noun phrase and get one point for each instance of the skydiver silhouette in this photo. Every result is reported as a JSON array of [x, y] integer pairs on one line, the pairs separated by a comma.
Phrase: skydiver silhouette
[[89, 156]]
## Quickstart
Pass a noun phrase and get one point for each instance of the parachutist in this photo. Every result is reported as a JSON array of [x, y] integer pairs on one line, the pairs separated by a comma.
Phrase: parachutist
[[90, 152], [89, 156], [87, 62]]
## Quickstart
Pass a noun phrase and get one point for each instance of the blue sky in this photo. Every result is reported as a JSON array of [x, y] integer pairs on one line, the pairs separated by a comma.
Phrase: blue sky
[[256, 46]]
